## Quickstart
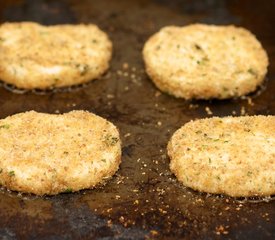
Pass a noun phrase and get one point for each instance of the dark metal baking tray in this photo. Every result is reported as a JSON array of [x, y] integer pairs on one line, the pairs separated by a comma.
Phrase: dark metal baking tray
[[143, 200]]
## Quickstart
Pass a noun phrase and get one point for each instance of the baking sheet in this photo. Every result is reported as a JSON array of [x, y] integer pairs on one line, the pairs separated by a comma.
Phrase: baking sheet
[[143, 200]]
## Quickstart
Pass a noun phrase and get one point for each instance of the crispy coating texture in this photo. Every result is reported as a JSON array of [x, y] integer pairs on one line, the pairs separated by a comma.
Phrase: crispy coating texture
[[205, 61], [42, 57], [48, 154], [232, 155]]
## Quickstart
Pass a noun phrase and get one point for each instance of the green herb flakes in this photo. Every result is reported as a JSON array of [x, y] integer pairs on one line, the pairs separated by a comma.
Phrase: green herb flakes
[[109, 140], [225, 89], [252, 72], [11, 173], [82, 68], [203, 61], [68, 190], [5, 126]]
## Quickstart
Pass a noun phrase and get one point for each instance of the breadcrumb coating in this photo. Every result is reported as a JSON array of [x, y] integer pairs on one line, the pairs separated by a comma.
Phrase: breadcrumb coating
[[49, 154], [37, 56], [232, 155], [201, 61]]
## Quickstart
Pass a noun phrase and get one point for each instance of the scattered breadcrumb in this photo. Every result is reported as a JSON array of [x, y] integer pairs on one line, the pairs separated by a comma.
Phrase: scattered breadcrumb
[[127, 135], [125, 74], [157, 93], [110, 96], [154, 233], [193, 106], [125, 65], [208, 111], [222, 230], [119, 72], [249, 101], [243, 111], [118, 196]]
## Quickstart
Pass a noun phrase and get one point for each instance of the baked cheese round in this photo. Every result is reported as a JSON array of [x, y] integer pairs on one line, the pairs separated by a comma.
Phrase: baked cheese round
[[46, 154], [43, 57], [232, 155], [202, 61]]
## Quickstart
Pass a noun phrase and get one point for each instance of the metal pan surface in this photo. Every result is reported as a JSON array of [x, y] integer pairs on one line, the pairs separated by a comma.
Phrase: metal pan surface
[[143, 200]]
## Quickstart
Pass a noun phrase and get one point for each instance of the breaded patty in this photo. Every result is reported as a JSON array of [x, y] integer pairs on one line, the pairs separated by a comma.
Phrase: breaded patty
[[36, 56], [231, 155], [48, 154], [205, 61]]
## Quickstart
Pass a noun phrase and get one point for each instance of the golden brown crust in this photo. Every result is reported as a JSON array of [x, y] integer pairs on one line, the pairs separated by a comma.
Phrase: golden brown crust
[[48, 154], [205, 61], [232, 155], [36, 56]]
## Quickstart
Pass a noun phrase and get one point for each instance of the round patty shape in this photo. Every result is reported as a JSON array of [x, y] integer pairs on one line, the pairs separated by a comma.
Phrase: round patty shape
[[232, 155], [205, 61], [48, 154], [42, 57]]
